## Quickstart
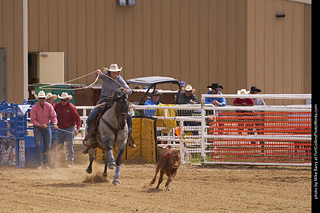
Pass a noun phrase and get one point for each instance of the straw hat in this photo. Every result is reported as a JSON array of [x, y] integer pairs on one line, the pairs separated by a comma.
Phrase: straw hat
[[65, 95], [189, 88], [113, 68], [41, 94], [50, 95], [243, 92]]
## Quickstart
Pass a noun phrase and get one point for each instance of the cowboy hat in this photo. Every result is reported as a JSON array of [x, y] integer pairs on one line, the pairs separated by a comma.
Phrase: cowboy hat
[[255, 89], [243, 92], [50, 95], [215, 86], [65, 95], [189, 88], [113, 68], [41, 94]]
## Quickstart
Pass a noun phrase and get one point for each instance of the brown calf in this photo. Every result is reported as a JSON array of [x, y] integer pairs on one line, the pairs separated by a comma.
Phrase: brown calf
[[168, 164]]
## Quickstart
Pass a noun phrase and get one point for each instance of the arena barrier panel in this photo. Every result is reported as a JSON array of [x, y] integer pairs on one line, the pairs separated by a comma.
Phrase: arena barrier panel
[[258, 135], [143, 133]]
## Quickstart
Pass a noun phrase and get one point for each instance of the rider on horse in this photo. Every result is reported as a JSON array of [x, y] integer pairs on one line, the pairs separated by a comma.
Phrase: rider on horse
[[111, 81]]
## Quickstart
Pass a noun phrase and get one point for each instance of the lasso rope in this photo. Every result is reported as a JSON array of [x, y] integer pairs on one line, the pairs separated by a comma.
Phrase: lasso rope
[[86, 87]]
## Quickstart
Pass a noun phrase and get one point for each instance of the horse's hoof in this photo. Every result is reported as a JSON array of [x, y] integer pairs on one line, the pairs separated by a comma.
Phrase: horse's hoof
[[104, 174], [112, 165], [89, 171], [116, 182], [132, 145]]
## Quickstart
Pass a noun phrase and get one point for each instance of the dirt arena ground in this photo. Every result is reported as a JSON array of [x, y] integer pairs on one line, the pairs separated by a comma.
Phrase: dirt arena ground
[[194, 189]]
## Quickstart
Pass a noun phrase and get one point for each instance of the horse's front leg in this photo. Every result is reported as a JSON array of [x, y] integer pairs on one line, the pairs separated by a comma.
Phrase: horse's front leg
[[106, 143], [116, 178], [91, 158]]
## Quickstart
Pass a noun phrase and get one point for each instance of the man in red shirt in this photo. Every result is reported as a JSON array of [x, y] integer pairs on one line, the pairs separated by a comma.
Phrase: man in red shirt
[[68, 117], [242, 114], [243, 101]]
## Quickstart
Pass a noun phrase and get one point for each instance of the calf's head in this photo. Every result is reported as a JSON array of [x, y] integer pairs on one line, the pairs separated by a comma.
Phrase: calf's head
[[174, 159]]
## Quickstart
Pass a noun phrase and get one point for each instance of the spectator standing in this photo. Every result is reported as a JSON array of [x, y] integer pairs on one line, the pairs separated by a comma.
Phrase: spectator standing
[[69, 124], [154, 100], [245, 117], [41, 114], [243, 101], [50, 98], [257, 101], [215, 89], [259, 115], [187, 97]]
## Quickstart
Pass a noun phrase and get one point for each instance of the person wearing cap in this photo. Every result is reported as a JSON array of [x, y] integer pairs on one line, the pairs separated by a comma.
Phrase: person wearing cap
[[187, 97], [154, 100], [257, 101], [50, 98], [215, 89], [69, 123], [182, 86], [41, 114]]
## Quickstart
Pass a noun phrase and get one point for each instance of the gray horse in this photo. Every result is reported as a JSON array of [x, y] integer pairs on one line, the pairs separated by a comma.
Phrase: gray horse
[[113, 131]]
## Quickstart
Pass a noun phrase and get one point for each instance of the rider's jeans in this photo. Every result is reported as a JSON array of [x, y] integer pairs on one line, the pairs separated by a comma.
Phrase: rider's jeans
[[95, 111]]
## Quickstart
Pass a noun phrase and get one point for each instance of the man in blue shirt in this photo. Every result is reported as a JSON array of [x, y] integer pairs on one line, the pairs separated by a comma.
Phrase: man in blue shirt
[[215, 101], [155, 100]]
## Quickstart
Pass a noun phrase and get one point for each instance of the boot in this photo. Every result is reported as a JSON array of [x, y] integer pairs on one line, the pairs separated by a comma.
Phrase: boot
[[93, 143]]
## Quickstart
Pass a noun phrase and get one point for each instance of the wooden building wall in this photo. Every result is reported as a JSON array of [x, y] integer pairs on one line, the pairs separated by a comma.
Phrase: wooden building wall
[[234, 42]]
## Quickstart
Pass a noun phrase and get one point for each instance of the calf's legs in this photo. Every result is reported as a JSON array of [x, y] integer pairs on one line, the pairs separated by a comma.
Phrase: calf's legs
[[155, 176]]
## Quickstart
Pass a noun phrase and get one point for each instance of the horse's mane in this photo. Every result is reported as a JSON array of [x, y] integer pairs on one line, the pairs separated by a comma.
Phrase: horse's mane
[[117, 95]]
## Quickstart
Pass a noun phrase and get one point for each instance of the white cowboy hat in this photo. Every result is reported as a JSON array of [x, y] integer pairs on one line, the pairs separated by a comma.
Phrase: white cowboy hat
[[113, 68], [50, 95], [41, 94], [65, 95], [243, 92], [189, 88]]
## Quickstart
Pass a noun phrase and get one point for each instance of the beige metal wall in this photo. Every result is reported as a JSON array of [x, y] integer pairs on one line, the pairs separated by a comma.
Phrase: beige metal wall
[[234, 42], [199, 42], [277, 47]]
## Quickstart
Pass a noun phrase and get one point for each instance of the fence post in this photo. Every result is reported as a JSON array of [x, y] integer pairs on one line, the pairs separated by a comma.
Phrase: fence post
[[203, 129]]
